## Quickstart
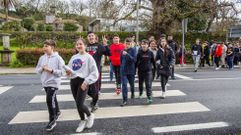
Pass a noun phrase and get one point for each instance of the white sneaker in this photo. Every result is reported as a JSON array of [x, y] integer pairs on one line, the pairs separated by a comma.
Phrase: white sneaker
[[163, 94], [90, 121], [217, 68], [81, 126]]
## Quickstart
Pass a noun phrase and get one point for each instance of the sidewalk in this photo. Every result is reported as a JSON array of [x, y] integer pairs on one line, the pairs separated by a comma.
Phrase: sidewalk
[[31, 70]]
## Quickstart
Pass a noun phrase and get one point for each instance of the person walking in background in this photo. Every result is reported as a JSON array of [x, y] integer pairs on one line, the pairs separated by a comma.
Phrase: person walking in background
[[165, 59], [128, 59], [206, 54], [174, 47], [50, 67], [213, 49], [196, 54], [224, 54], [230, 56], [182, 57], [153, 48], [116, 48], [83, 71], [236, 53], [145, 62], [218, 54]]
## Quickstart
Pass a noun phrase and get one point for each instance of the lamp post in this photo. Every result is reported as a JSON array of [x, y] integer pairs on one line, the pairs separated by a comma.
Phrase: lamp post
[[137, 20], [6, 52]]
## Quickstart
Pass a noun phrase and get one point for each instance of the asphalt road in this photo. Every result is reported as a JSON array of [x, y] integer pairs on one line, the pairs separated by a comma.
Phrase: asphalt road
[[217, 91]]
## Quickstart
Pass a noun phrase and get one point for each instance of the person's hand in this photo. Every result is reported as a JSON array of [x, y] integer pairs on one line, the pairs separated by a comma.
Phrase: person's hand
[[124, 52], [84, 86], [104, 40], [47, 69], [68, 72]]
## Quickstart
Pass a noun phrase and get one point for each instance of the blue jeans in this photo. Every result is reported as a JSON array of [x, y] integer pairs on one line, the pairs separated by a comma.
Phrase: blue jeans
[[230, 62], [111, 72], [125, 79]]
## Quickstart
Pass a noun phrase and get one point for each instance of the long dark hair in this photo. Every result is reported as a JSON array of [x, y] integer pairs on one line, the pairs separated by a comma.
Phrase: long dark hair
[[166, 49]]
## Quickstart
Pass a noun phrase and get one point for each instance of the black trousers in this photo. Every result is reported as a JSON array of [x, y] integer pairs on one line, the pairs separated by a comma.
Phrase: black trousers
[[147, 78], [217, 59], [164, 80], [52, 102], [79, 97], [172, 71], [117, 76]]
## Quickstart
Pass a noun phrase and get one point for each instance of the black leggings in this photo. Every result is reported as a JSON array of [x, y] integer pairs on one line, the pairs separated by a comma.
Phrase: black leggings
[[52, 103], [164, 80], [117, 76], [217, 59], [79, 96]]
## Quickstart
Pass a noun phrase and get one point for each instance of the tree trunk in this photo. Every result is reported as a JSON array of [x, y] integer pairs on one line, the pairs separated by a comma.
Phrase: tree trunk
[[6, 13]]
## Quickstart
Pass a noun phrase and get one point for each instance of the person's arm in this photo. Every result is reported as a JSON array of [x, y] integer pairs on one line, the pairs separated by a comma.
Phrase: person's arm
[[158, 58], [172, 58], [153, 61], [39, 68], [131, 56], [94, 74], [59, 71]]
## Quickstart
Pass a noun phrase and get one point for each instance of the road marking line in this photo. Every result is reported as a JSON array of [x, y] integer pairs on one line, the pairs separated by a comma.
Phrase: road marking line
[[190, 127], [112, 85], [5, 88], [183, 77], [107, 112], [104, 96]]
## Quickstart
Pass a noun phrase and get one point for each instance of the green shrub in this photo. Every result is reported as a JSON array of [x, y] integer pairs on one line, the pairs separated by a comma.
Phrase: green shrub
[[28, 23], [11, 26], [70, 27], [30, 56], [16, 64], [49, 28], [41, 27]]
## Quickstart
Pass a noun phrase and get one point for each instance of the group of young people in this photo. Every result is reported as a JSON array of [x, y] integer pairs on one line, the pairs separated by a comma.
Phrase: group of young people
[[84, 70], [220, 54]]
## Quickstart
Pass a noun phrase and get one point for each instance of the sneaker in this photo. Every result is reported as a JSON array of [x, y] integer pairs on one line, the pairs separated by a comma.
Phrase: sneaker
[[124, 103], [51, 125], [94, 108], [217, 68], [132, 95], [163, 95], [140, 96], [173, 78], [90, 121], [149, 100], [58, 114], [195, 70], [81, 126]]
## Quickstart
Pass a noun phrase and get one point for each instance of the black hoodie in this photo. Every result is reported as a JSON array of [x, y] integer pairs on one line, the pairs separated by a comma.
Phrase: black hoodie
[[145, 61], [97, 50]]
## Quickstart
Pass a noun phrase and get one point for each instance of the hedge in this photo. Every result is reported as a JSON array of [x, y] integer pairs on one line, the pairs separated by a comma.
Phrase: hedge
[[30, 56]]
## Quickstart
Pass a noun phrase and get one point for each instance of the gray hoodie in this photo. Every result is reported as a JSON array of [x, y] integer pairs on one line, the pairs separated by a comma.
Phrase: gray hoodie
[[84, 66], [54, 62]]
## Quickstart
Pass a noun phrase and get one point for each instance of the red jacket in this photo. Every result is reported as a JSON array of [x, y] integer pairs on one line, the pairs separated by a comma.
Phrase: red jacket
[[219, 50], [115, 50]]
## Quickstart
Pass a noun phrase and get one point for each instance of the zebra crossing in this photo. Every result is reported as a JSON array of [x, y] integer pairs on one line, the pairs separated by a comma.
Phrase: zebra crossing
[[4, 88], [113, 112]]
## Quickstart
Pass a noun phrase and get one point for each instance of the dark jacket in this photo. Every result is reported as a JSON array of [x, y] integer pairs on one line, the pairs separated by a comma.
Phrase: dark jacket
[[206, 50], [165, 61], [97, 50], [173, 45], [128, 62], [145, 61], [197, 48]]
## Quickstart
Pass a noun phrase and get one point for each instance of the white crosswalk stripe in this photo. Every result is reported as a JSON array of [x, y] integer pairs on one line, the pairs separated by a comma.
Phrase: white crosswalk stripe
[[104, 96], [5, 88], [107, 112], [190, 127]]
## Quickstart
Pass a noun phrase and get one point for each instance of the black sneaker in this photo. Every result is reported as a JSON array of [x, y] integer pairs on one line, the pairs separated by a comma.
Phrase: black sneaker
[[132, 96], [58, 114], [51, 125], [123, 103], [94, 108]]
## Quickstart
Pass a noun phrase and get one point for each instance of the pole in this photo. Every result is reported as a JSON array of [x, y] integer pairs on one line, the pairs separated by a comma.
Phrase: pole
[[183, 38], [137, 20]]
